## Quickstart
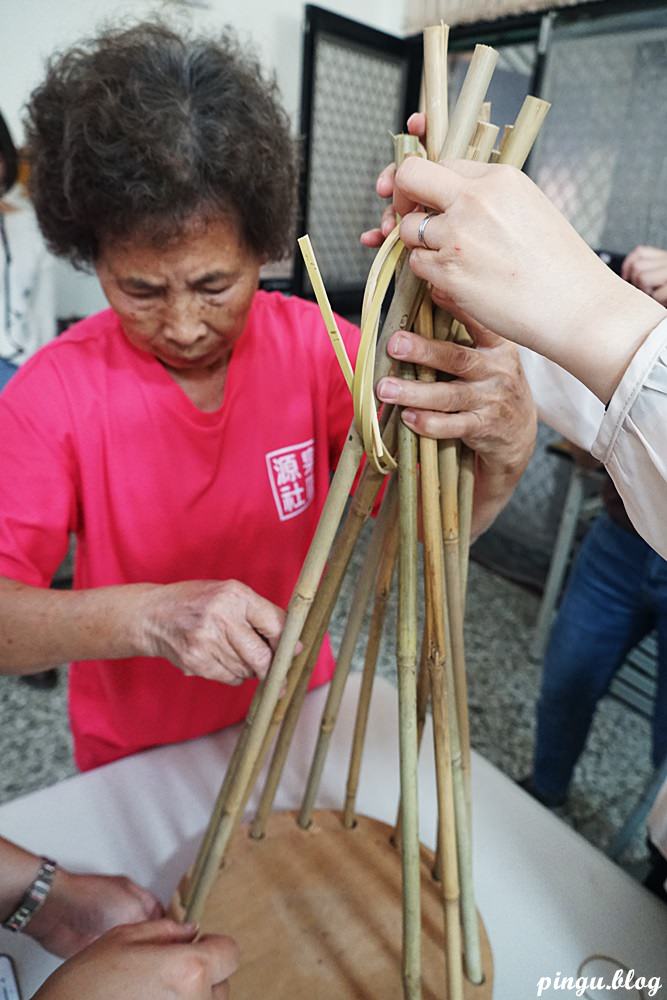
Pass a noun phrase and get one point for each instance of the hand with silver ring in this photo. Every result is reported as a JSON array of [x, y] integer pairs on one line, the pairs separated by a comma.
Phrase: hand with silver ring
[[421, 232]]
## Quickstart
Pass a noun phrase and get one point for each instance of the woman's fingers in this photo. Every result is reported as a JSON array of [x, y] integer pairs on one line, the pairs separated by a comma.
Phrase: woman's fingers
[[442, 355], [445, 397], [419, 182], [385, 182], [221, 955], [442, 426], [417, 124], [425, 230], [252, 650]]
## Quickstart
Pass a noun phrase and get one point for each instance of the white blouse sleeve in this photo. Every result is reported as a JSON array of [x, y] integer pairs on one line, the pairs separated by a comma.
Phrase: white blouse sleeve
[[632, 440], [562, 401]]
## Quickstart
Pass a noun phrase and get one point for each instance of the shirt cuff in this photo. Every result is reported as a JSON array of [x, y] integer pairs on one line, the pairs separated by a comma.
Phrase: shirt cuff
[[628, 389]]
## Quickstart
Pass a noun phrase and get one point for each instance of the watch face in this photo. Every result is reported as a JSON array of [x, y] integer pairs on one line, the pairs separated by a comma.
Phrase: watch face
[[9, 987]]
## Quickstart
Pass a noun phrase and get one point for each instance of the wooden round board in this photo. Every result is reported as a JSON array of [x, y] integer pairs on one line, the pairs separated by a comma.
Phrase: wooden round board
[[317, 914]]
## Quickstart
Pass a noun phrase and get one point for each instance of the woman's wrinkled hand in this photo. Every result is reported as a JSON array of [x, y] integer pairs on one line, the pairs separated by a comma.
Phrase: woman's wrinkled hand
[[220, 630], [79, 908], [487, 404], [147, 961]]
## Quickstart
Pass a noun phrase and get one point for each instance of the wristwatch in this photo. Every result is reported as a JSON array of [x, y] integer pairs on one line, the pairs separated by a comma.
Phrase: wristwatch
[[34, 897]]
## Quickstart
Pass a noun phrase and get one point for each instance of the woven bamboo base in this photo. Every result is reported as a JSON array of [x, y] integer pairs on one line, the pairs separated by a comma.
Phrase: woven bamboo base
[[317, 914]]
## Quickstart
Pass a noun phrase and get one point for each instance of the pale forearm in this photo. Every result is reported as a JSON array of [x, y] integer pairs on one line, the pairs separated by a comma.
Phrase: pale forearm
[[603, 335], [41, 628]]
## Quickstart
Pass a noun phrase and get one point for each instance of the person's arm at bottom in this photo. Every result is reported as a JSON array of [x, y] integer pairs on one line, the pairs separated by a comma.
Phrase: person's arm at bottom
[[218, 629], [76, 909], [159, 960]]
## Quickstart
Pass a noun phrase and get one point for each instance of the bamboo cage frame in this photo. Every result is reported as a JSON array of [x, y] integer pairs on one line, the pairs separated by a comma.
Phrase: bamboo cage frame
[[436, 478]]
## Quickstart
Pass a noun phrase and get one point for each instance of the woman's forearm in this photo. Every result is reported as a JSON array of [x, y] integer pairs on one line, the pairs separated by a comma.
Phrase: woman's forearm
[[218, 629], [492, 492], [41, 628]]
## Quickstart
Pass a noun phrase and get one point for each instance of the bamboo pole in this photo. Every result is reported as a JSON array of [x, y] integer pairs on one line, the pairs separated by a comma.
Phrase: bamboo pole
[[399, 316], [407, 683], [519, 141], [436, 659], [466, 493], [483, 141], [435, 88], [312, 637], [423, 698], [360, 602], [230, 773], [466, 112], [382, 591], [287, 711]]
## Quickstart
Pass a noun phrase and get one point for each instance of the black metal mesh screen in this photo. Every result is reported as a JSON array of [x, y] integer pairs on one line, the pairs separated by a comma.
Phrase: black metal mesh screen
[[603, 155], [358, 98]]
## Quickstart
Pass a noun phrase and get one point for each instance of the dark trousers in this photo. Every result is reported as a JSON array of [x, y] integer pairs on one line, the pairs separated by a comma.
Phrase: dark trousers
[[616, 594]]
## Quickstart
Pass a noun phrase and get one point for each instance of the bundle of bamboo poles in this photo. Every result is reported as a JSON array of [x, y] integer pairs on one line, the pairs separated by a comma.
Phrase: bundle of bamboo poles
[[439, 477]]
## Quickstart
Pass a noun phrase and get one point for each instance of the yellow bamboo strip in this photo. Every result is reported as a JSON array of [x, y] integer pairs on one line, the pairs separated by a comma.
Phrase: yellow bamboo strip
[[316, 281]]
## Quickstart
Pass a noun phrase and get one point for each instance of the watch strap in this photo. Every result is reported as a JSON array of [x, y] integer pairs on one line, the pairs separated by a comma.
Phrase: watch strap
[[34, 897]]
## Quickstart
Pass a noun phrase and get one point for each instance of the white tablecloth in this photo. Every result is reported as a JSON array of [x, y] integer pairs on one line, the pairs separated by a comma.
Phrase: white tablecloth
[[548, 898]]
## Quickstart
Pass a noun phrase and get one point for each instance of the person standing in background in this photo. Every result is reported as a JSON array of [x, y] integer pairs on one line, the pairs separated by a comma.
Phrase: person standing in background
[[27, 297]]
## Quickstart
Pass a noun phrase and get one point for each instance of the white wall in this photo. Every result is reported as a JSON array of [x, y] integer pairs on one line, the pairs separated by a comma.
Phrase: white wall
[[38, 27]]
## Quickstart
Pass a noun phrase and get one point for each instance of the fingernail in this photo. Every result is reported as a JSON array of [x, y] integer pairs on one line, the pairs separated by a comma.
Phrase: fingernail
[[191, 928], [387, 390], [408, 416], [399, 346]]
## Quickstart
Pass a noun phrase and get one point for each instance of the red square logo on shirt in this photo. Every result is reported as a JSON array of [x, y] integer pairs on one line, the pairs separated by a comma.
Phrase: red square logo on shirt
[[291, 476]]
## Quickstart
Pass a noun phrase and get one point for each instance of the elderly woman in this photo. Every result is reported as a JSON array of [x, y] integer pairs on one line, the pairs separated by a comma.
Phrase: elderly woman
[[187, 434]]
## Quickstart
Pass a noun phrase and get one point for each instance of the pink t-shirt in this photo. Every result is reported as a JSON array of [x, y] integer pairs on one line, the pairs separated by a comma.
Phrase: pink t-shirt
[[98, 439]]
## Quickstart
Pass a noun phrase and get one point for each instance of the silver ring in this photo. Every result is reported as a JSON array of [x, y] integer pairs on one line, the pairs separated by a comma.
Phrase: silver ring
[[422, 230]]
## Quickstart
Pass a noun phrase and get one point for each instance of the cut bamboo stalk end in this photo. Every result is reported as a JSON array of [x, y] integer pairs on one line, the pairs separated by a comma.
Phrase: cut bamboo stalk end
[[435, 87], [483, 141], [519, 142], [466, 112]]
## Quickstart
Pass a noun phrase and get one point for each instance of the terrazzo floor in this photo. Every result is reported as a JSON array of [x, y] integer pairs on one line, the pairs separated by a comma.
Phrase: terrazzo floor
[[35, 747]]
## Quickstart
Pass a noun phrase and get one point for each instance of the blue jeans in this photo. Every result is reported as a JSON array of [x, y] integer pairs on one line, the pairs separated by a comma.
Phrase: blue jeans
[[7, 369], [616, 594]]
